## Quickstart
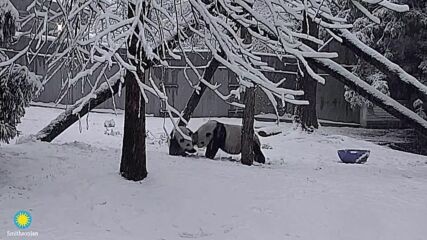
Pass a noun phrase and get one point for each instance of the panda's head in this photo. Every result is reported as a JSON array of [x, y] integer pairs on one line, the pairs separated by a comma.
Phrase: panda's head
[[204, 135], [184, 143]]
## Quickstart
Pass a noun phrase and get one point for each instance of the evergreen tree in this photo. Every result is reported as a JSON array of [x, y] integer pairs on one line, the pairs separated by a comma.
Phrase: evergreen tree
[[17, 83], [17, 87], [402, 38]]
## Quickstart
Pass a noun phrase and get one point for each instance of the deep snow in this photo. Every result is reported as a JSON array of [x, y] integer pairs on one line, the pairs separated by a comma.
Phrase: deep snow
[[73, 190]]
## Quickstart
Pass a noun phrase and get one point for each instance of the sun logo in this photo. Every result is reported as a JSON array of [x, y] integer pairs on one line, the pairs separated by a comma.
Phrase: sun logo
[[22, 219]]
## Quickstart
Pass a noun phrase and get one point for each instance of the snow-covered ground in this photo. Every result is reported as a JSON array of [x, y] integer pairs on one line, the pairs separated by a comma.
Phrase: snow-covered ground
[[73, 190]]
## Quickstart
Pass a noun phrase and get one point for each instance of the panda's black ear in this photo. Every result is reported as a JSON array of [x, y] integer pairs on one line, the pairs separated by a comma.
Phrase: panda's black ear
[[208, 134]]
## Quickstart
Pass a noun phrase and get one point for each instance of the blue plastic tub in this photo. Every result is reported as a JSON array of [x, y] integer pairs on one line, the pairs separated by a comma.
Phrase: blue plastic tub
[[353, 155]]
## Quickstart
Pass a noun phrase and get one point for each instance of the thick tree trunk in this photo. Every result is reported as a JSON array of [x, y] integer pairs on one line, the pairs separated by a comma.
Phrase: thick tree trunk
[[247, 139], [370, 55], [364, 89], [195, 97], [133, 163], [307, 114], [103, 93], [248, 127]]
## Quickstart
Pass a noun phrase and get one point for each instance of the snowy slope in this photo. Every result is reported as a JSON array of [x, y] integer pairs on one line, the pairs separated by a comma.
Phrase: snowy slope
[[73, 189]]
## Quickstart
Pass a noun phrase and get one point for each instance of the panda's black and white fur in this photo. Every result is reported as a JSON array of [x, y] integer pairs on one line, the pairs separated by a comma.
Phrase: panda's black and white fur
[[215, 135], [180, 146]]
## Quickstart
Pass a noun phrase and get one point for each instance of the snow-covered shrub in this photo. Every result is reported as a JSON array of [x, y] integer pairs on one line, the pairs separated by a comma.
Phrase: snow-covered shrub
[[17, 87], [110, 128]]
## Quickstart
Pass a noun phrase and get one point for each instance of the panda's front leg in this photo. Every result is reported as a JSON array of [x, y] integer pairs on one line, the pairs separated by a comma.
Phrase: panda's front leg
[[211, 149], [259, 157], [175, 149]]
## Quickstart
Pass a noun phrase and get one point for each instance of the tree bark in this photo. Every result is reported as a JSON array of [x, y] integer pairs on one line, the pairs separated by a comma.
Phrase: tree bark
[[307, 114], [247, 139], [248, 127], [133, 162]]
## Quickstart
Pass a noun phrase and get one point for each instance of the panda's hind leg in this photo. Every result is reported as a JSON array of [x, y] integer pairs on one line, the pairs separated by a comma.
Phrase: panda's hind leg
[[258, 155]]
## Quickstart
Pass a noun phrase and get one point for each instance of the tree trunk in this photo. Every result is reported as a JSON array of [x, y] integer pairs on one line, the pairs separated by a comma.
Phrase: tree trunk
[[133, 163], [306, 115], [248, 127], [195, 97], [247, 139], [103, 93]]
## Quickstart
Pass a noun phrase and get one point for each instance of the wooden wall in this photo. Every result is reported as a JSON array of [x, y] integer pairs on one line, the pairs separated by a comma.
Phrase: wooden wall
[[331, 103]]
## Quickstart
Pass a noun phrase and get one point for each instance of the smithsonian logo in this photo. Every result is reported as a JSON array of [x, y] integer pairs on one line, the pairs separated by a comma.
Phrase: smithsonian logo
[[22, 221]]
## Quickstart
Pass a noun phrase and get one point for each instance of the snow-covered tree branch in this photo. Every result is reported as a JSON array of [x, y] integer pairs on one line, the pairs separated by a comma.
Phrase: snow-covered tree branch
[[86, 39]]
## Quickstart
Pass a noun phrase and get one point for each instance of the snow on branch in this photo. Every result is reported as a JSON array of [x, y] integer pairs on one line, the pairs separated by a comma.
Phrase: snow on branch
[[287, 38], [387, 103], [87, 39], [381, 62]]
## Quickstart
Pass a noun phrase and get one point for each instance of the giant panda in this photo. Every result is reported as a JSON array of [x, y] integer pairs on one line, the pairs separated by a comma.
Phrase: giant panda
[[216, 135], [178, 145]]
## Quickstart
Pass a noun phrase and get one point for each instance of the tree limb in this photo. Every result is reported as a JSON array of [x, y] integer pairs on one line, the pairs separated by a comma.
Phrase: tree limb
[[378, 60], [103, 93]]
